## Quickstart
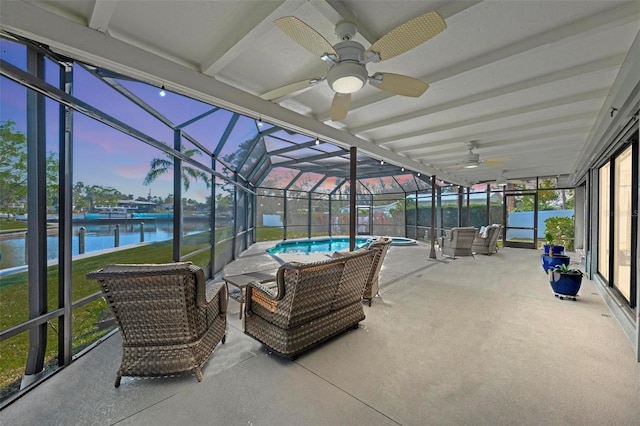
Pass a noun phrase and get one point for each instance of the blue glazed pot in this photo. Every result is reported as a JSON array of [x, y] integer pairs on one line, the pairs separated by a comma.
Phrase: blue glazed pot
[[557, 249], [567, 284], [550, 262]]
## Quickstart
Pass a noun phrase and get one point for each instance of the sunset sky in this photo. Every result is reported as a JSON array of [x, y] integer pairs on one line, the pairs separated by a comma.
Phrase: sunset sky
[[104, 156]]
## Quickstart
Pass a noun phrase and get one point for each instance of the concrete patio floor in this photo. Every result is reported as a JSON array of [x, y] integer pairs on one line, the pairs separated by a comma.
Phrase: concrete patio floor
[[467, 341]]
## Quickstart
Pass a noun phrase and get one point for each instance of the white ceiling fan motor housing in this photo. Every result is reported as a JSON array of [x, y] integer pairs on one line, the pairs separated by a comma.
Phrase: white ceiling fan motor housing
[[348, 75]]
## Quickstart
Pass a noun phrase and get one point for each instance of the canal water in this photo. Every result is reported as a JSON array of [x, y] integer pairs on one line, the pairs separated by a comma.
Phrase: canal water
[[97, 237]]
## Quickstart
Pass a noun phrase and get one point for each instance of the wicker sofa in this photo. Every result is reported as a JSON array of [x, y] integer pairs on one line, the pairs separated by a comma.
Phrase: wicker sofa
[[486, 242], [308, 303], [372, 287], [168, 324], [458, 241]]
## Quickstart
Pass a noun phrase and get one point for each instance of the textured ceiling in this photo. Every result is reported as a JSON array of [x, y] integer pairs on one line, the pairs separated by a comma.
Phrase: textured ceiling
[[532, 83]]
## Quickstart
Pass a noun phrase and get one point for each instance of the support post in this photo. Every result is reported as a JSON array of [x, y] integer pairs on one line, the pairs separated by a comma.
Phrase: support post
[[432, 251], [309, 216], [81, 235], [330, 218], [352, 197], [177, 197], [65, 221], [284, 214]]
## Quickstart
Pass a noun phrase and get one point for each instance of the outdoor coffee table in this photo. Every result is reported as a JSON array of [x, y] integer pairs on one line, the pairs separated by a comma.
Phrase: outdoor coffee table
[[241, 281]]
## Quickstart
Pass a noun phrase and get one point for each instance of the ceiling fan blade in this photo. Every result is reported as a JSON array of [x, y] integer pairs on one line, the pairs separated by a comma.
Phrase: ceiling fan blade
[[398, 84], [340, 106], [408, 35], [495, 162], [290, 88], [305, 36], [492, 163]]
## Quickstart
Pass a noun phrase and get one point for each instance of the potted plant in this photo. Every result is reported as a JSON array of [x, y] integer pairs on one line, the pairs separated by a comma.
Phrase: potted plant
[[565, 282], [550, 261], [559, 232], [548, 238]]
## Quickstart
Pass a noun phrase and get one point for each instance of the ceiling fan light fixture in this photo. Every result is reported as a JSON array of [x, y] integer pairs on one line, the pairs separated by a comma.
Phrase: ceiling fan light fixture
[[347, 77], [471, 166]]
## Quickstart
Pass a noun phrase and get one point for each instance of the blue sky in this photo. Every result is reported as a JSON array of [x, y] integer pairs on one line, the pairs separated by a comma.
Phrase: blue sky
[[104, 156]]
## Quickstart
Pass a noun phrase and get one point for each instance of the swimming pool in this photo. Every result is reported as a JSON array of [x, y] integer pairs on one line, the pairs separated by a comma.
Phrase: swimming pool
[[329, 244]]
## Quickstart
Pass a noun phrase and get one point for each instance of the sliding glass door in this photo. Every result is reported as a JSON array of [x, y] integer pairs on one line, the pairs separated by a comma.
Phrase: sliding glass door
[[622, 224]]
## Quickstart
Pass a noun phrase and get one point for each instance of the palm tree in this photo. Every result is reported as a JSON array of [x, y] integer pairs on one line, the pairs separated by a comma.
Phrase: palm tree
[[160, 166]]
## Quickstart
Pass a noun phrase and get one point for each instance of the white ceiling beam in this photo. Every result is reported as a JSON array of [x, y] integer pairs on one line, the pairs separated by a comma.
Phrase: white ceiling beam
[[234, 45], [335, 12], [627, 12], [101, 14], [451, 156], [82, 43], [418, 148], [568, 100], [609, 62], [511, 142]]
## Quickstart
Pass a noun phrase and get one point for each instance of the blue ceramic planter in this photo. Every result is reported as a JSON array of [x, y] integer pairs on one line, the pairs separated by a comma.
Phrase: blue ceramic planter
[[565, 284], [556, 249], [550, 262]]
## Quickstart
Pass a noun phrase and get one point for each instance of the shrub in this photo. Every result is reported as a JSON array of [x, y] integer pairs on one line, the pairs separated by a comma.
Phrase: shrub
[[562, 229]]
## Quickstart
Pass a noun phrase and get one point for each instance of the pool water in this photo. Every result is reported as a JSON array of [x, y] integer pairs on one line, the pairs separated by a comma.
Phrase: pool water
[[328, 245], [316, 245]]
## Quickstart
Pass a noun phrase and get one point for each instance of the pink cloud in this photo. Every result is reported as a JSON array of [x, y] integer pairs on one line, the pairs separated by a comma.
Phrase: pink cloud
[[137, 171]]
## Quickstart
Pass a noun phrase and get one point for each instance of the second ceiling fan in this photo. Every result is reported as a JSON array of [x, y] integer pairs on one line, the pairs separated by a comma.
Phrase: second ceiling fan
[[347, 72]]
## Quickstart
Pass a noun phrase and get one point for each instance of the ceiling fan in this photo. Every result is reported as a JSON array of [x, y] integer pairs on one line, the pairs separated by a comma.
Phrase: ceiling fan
[[504, 181], [472, 159], [347, 72]]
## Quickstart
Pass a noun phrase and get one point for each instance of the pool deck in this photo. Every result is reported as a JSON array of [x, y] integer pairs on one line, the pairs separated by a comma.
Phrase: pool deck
[[450, 342]]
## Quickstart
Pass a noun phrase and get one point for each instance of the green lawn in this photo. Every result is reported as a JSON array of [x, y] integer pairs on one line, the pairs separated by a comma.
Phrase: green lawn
[[276, 234], [11, 224]]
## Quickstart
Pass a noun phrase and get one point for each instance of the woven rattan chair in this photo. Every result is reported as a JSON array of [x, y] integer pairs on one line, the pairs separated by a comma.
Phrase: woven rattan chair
[[166, 322], [458, 241], [487, 244], [372, 287], [308, 302]]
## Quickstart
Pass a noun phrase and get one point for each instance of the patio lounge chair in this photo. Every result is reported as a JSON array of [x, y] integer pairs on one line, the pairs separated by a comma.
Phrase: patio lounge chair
[[458, 241], [372, 288], [166, 322], [486, 242], [308, 302]]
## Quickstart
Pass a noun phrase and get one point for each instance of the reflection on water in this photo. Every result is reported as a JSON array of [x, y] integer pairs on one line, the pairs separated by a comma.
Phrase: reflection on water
[[97, 237]]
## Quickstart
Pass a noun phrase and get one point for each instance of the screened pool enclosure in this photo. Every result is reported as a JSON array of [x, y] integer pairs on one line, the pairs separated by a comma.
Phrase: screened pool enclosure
[[107, 169]]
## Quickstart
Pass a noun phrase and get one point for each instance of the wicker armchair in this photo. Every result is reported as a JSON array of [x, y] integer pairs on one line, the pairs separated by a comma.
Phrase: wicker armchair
[[487, 243], [373, 287], [458, 241], [308, 302], [166, 322]]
